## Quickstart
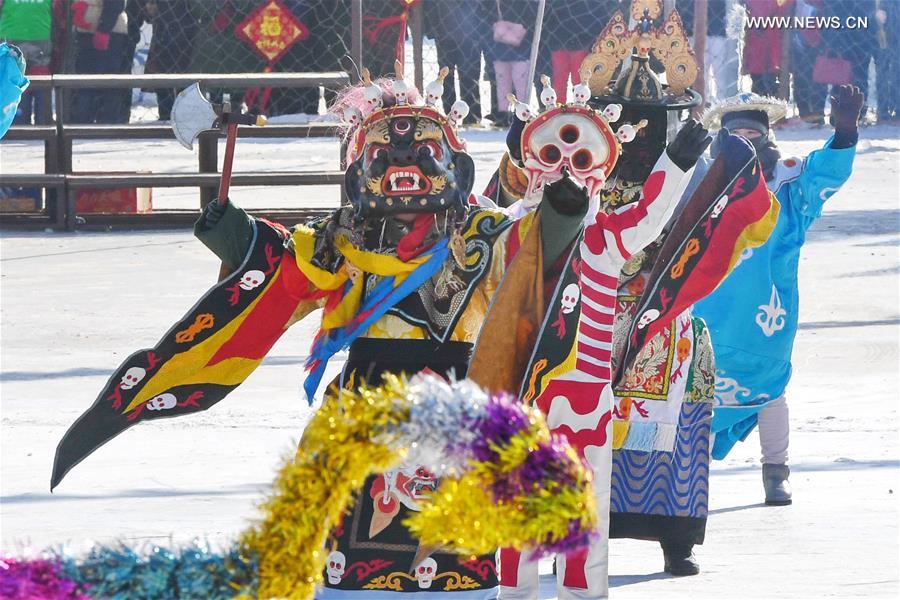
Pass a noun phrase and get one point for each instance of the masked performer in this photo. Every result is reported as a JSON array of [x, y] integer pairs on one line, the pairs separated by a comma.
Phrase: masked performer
[[404, 274], [662, 357], [753, 316], [548, 336]]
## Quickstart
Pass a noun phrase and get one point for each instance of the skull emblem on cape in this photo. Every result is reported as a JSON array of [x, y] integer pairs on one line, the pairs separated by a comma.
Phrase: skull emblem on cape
[[132, 377], [570, 297], [719, 207], [335, 566], [252, 279], [425, 572], [571, 137], [648, 317], [162, 402]]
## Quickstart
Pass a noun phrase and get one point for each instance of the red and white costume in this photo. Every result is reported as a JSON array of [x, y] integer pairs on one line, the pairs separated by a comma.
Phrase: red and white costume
[[579, 402]]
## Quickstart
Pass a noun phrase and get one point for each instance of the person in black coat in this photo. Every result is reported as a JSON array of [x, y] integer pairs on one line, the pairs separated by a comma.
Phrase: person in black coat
[[174, 30], [460, 31]]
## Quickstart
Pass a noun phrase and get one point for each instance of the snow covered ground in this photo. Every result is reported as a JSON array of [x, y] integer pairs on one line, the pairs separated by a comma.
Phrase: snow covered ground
[[74, 305]]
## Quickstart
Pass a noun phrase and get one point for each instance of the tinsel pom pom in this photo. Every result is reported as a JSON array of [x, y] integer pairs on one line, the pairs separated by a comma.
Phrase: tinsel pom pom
[[507, 483], [339, 450], [523, 489], [194, 573], [41, 578]]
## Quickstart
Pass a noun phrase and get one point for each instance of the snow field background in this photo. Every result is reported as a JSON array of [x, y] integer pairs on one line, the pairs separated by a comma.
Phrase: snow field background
[[74, 305]]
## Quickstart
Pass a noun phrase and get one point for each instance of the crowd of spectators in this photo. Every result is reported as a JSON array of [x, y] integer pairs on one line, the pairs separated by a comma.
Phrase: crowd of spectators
[[479, 40]]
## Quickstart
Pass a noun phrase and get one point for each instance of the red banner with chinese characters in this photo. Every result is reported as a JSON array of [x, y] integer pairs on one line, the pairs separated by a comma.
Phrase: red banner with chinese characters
[[271, 30]]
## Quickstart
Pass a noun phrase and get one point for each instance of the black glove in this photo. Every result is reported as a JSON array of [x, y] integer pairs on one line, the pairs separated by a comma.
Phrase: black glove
[[689, 143], [212, 213], [718, 142], [514, 139], [565, 195], [846, 104]]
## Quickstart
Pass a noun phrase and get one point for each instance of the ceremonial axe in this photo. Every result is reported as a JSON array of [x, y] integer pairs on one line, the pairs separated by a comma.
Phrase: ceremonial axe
[[192, 114]]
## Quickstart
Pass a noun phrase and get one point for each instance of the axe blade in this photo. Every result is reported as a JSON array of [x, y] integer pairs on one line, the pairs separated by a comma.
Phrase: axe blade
[[191, 114]]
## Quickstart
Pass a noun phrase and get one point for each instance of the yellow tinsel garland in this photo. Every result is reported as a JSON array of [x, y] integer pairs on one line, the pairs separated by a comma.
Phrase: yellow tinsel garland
[[312, 492]]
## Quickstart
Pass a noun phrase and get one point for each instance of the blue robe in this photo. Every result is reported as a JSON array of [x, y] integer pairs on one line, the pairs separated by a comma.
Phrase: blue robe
[[752, 316]]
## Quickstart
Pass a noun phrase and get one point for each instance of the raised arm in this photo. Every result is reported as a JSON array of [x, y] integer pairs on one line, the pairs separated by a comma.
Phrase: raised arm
[[629, 229], [826, 170], [225, 229]]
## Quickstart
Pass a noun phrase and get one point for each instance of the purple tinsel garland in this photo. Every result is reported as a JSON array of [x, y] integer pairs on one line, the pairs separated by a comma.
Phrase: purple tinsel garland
[[32, 579], [503, 419], [547, 463]]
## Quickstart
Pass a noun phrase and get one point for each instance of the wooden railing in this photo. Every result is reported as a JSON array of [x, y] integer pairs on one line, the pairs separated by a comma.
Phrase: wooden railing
[[62, 184]]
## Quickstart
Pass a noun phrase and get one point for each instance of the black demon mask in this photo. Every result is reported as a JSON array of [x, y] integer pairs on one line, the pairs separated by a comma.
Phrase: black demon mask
[[408, 159]]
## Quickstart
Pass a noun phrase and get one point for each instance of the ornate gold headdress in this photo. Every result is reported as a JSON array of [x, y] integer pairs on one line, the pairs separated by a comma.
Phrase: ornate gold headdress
[[668, 43]]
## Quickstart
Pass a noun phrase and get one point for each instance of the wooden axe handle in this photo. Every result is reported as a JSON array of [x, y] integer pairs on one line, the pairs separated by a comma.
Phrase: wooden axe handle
[[227, 163], [225, 181]]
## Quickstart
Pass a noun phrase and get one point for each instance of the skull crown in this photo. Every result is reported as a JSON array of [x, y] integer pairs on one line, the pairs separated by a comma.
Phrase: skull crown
[[573, 137], [373, 95]]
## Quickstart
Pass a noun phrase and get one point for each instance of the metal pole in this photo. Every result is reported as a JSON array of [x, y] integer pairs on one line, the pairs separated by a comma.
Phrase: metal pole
[[700, 11], [356, 36], [535, 44], [784, 71], [417, 30]]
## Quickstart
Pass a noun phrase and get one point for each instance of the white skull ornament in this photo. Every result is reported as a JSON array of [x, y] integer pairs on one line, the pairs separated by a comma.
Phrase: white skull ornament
[[162, 402], [401, 92], [570, 297], [252, 279], [372, 95], [132, 377], [581, 94], [334, 568], [548, 94], [522, 110], [434, 91], [612, 112], [425, 572], [648, 317], [352, 116], [627, 131], [459, 111]]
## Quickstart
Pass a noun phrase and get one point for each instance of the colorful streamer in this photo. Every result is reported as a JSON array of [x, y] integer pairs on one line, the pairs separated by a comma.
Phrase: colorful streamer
[[506, 481]]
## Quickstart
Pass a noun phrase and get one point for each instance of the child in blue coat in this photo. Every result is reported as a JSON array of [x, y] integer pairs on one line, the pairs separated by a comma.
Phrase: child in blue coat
[[752, 317]]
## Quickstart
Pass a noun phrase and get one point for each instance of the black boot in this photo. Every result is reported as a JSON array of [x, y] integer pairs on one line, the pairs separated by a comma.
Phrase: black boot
[[680, 559]]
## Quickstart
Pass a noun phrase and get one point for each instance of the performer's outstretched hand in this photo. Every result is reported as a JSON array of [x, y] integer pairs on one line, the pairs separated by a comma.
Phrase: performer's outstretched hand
[[566, 196], [514, 139], [846, 104], [689, 143], [212, 213]]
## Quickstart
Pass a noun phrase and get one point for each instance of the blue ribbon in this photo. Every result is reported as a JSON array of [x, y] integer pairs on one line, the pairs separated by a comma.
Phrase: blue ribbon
[[381, 299]]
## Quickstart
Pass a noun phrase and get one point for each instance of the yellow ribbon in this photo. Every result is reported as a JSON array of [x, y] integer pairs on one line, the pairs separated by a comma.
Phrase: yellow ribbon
[[368, 262]]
